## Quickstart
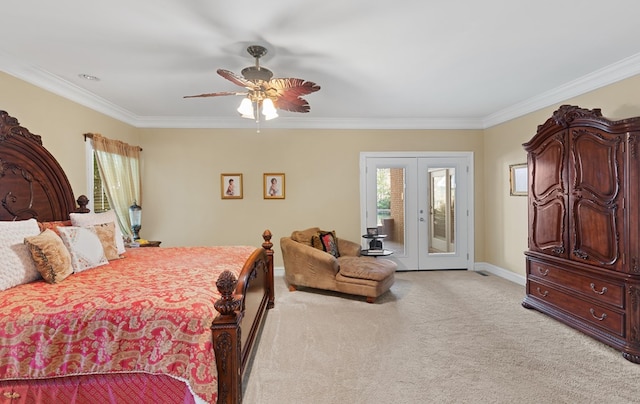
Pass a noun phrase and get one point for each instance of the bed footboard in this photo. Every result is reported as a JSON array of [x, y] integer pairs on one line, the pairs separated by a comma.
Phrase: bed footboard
[[242, 309]]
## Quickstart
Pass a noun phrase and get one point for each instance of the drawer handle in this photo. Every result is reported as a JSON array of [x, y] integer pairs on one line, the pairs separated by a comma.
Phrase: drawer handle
[[543, 294], [602, 292], [10, 395], [593, 314], [543, 273]]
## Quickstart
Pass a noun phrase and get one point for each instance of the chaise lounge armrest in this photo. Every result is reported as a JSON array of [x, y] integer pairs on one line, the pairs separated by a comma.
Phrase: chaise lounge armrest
[[348, 248], [305, 260]]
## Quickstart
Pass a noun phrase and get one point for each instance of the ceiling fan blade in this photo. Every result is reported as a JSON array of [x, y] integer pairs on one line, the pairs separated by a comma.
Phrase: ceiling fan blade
[[235, 79], [295, 104], [289, 92], [295, 86], [221, 93]]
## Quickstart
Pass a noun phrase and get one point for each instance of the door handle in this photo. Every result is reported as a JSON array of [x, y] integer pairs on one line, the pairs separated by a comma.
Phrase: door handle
[[422, 219]]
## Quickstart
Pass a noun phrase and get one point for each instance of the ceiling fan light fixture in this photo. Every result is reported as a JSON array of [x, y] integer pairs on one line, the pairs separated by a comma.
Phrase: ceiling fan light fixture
[[246, 109], [263, 91], [268, 109]]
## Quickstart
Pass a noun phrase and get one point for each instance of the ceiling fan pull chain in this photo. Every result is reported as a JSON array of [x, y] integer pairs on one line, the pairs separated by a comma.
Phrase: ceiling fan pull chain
[[257, 115]]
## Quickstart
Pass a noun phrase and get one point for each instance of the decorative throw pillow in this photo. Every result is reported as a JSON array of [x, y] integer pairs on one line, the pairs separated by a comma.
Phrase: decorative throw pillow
[[16, 265], [326, 241], [89, 219], [51, 257], [53, 225], [84, 246], [106, 234]]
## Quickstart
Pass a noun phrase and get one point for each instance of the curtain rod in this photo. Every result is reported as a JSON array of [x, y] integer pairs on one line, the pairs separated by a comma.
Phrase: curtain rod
[[90, 136]]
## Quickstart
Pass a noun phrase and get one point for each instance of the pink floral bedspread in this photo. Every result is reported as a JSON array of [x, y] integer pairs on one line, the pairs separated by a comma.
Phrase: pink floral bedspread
[[149, 312]]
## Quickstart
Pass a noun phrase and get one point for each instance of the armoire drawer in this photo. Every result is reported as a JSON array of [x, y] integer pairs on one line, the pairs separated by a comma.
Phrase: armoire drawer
[[605, 291], [600, 316]]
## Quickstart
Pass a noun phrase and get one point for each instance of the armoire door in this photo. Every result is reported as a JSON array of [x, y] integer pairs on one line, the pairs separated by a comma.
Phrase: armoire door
[[548, 195], [596, 197]]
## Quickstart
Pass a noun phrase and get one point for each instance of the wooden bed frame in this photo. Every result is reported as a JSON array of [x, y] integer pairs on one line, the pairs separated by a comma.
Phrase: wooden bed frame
[[33, 185]]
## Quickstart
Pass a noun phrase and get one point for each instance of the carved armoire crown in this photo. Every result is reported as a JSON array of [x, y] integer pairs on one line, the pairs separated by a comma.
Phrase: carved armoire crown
[[583, 261]]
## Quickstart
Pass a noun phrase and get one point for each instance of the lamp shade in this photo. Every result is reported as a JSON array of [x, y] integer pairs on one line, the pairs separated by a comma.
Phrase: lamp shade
[[268, 109], [246, 109]]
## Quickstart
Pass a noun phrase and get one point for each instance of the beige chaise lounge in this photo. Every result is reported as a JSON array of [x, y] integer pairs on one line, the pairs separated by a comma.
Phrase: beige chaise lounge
[[308, 264]]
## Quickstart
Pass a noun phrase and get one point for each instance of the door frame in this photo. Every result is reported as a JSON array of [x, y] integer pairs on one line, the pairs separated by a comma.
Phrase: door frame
[[470, 188]]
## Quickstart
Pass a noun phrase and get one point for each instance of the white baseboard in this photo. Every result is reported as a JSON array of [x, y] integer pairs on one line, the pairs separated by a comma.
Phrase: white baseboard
[[501, 272], [478, 266]]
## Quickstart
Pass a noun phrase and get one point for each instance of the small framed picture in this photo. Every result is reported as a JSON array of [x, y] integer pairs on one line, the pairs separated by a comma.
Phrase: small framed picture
[[372, 231], [273, 184], [231, 186], [518, 178]]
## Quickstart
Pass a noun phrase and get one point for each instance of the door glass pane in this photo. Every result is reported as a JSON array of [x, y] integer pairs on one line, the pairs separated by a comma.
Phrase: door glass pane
[[442, 210], [390, 207]]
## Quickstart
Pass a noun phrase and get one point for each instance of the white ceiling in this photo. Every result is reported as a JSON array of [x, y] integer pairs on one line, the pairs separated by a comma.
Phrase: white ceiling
[[383, 64]]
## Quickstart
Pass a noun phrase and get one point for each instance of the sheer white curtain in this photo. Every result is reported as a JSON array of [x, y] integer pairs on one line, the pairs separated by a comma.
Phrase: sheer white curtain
[[119, 166]]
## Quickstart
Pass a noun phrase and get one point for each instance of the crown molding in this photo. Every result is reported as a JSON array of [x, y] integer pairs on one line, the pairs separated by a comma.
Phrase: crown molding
[[621, 70], [308, 123], [43, 79], [56, 85]]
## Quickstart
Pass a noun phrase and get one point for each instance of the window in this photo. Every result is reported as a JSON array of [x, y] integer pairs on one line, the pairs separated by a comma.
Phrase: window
[[100, 200], [113, 177]]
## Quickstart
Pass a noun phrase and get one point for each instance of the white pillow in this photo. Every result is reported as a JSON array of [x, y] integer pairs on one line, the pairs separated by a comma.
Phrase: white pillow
[[16, 265], [84, 246], [89, 219]]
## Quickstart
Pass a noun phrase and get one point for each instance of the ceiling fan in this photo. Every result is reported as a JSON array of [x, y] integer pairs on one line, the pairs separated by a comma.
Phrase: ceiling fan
[[264, 92]]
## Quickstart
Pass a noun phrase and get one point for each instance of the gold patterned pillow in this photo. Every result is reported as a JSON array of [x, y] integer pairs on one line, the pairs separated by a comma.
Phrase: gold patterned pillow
[[106, 233], [51, 257]]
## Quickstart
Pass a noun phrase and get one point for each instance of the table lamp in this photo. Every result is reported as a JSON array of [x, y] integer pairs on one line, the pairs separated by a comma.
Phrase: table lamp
[[135, 215]]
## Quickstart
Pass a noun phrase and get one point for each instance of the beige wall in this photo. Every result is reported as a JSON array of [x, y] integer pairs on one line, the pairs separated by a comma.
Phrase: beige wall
[[506, 216], [182, 172], [182, 167], [61, 123]]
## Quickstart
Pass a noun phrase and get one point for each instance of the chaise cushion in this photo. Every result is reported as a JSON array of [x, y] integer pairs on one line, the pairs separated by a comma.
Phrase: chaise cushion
[[304, 236], [375, 269]]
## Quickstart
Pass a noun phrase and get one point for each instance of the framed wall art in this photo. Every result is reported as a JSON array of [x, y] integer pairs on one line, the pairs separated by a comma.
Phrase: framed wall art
[[231, 186], [273, 184], [518, 178], [372, 231]]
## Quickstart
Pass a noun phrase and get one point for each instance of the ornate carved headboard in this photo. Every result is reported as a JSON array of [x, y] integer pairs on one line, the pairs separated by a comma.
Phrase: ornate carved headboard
[[32, 182]]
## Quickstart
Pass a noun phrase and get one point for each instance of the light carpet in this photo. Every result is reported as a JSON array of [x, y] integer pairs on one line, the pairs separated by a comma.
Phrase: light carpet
[[435, 337]]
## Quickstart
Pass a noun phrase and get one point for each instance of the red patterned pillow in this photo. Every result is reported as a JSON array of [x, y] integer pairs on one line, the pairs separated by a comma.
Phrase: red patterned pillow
[[326, 241], [53, 225]]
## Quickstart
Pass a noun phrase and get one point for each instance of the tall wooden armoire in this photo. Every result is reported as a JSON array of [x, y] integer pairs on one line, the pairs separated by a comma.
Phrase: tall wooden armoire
[[583, 261]]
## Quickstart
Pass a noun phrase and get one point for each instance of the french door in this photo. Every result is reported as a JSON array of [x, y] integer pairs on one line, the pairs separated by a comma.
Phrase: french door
[[423, 204]]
